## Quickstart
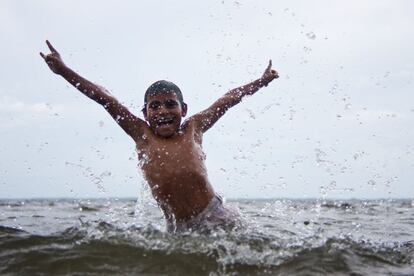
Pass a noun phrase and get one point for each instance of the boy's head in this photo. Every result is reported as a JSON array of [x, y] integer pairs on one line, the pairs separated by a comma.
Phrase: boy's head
[[163, 108], [163, 87]]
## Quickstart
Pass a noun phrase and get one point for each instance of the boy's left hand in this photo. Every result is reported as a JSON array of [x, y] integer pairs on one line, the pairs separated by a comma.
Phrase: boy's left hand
[[269, 74]]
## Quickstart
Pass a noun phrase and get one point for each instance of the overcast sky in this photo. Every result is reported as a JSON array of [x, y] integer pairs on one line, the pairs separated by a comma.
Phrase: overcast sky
[[339, 122]]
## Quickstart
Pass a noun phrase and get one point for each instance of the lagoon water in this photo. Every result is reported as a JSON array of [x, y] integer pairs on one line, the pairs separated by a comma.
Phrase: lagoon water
[[280, 237]]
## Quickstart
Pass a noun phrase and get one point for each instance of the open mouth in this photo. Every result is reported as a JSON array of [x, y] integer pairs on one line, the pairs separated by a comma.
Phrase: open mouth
[[165, 121]]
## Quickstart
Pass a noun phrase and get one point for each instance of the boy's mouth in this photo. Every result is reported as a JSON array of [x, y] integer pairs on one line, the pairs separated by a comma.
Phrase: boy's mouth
[[165, 121]]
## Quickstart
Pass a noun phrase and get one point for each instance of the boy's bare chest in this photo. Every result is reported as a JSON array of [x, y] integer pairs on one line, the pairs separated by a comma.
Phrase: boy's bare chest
[[176, 155], [175, 171]]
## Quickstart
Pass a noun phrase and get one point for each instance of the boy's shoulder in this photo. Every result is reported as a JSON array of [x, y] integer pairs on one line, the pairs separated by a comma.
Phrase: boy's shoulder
[[190, 125]]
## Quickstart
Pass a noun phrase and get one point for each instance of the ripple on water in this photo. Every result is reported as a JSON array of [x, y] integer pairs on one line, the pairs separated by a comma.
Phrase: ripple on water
[[276, 240]]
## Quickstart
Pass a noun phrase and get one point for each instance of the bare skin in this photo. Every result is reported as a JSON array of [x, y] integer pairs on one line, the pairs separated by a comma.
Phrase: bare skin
[[170, 152]]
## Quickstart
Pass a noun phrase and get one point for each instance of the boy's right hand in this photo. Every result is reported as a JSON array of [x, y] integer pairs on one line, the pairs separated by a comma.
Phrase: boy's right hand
[[53, 60]]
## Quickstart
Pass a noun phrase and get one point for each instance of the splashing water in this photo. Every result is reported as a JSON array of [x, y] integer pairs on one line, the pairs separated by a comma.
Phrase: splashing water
[[281, 237]]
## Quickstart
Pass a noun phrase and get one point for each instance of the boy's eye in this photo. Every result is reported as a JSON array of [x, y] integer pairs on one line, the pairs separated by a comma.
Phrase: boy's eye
[[154, 105], [171, 104]]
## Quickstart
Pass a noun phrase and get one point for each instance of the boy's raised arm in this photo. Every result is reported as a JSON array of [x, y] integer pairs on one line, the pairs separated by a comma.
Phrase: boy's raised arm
[[131, 124], [207, 118]]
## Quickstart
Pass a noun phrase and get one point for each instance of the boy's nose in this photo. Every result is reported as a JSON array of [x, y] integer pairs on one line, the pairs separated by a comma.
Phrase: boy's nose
[[162, 109]]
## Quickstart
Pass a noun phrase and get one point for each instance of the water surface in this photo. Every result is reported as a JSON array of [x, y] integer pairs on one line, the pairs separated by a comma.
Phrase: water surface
[[284, 237]]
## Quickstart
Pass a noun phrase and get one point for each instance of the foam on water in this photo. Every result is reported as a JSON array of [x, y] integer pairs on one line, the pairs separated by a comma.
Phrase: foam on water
[[281, 236]]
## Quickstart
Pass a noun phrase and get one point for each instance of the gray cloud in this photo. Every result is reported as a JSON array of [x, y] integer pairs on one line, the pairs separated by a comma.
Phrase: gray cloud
[[338, 123]]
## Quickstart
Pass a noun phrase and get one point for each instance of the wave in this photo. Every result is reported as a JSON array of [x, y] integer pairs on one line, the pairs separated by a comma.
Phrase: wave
[[103, 248]]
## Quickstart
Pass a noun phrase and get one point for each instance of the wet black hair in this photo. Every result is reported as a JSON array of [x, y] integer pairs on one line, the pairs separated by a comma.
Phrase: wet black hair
[[163, 87]]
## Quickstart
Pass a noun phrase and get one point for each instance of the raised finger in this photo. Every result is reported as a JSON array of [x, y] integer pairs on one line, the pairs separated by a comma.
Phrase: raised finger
[[269, 66], [42, 55], [53, 50]]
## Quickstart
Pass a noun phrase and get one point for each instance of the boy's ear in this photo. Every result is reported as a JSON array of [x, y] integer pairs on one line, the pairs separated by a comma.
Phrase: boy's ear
[[184, 109], [144, 112]]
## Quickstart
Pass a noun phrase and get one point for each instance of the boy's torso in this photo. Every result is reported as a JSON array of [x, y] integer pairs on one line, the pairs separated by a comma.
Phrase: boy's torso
[[175, 170]]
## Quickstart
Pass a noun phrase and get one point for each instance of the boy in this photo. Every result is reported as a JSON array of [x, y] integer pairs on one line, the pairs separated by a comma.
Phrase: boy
[[170, 153]]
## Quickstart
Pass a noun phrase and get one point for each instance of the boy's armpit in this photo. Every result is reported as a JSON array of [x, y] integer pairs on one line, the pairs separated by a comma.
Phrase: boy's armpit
[[199, 121], [192, 125], [205, 119], [134, 127]]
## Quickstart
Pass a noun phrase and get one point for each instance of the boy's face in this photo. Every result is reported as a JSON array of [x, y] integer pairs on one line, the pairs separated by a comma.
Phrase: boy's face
[[163, 113]]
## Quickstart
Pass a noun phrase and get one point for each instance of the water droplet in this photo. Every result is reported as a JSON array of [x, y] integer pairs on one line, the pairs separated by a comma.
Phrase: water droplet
[[311, 35]]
